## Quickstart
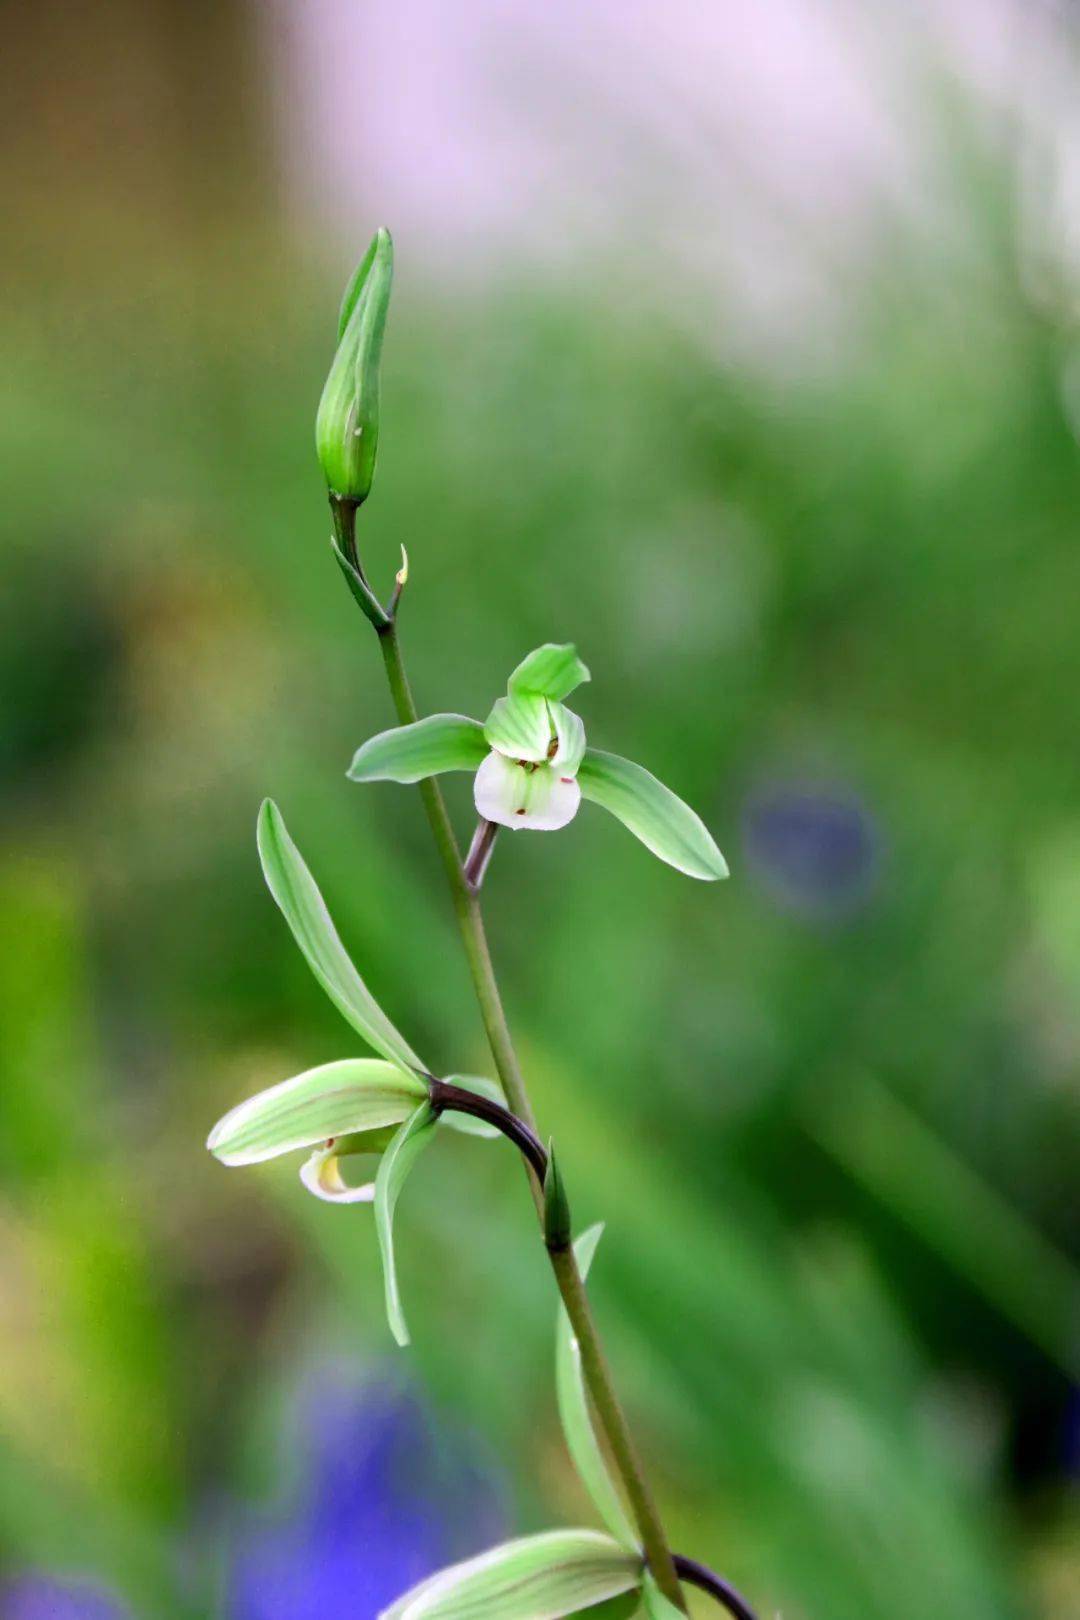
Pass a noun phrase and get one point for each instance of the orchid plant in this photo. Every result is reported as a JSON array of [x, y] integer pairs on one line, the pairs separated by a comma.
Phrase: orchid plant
[[532, 769]]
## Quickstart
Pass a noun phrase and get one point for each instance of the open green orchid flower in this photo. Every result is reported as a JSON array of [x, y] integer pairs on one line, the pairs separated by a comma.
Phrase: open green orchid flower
[[533, 768], [351, 1107]]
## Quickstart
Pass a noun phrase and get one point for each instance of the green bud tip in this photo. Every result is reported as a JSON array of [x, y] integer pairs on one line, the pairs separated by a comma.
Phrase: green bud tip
[[556, 1205], [347, 423]]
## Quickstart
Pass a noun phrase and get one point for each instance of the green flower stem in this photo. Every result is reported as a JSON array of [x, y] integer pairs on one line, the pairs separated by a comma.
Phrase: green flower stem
[[572, 1289]]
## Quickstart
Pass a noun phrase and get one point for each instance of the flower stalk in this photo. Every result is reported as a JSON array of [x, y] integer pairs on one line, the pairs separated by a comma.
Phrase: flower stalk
[[466, 903]]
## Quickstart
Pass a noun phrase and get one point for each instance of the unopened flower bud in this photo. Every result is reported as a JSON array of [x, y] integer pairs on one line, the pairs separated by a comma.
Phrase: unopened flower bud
[[347, 423]]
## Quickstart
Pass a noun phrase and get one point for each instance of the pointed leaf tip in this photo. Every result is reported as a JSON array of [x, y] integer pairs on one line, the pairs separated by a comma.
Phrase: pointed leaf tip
[[302, 905], [556, 1205]]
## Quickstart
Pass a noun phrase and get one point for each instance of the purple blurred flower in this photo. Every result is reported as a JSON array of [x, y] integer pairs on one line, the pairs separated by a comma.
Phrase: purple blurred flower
[[44, 1597], [384, 1499], [816, 849]]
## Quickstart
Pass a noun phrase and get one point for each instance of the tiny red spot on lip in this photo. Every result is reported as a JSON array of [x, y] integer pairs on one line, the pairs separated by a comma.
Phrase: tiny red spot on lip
[[566, 778]]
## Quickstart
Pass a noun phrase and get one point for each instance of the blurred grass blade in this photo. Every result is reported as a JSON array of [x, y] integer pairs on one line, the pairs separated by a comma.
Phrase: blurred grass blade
[[297, 893], [581, 1441], [465, 1123], [893, 1153], [441, 742], [519, 726], [541, 1577], [394, 1168], [553, 670], [356, 1094], [652, 812]]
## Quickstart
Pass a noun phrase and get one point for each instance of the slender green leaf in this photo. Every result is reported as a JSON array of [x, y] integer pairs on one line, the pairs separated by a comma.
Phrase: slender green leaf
[[519, 726], [652, 812], [553, 670], [465, 1123], [357, 1094], [581, 1441], [541, 1577], [297, 893], [441, 742], [657, 1606], [394, 1168]]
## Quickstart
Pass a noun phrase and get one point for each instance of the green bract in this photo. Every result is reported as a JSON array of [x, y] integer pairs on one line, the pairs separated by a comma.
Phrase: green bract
[[533, 768], [355, 1106], [347, 422]]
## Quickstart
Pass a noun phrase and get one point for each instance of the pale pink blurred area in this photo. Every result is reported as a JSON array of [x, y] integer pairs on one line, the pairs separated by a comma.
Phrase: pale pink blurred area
[[760, 151]]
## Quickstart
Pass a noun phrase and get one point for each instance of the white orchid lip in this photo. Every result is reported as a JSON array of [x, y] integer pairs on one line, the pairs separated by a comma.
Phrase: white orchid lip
[[521, 793], [321, 1175]]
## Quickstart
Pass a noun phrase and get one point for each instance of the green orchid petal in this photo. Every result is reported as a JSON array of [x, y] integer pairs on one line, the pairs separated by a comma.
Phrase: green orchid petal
[[652, 812], [304, 909], [356, 1094], [519, 726], [575, 1416], [524, 796], [553, 671], [543, 1577], [441, 742], [569, 731], [397, 1161]]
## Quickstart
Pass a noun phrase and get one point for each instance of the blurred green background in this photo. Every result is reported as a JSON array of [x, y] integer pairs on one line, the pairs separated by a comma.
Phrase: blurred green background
[[828, 1110]]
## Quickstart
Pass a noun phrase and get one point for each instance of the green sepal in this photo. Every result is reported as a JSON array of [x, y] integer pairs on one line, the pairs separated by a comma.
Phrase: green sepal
[[557, 1227], [304, 909], [362, 593], [394, 1168], [334, 1100], [553, 671], [574, 1414], [652, 813], [440, 742], [545, 1577]]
